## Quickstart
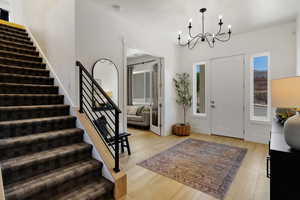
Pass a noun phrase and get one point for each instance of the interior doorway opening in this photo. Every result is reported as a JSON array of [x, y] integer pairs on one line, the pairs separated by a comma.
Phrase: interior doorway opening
[[144, 91]]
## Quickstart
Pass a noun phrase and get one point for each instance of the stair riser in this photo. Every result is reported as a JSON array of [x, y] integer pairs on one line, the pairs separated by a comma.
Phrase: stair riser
[[24, 71], [21, 57], [5, 89], [16, 50], [18, 36], [21, 63], [26, 80], [15, 130], [27, 100], [14, 31], [11, 175], [22, 46], [38, 146], [60, 185], [13, 39], [18, 114]]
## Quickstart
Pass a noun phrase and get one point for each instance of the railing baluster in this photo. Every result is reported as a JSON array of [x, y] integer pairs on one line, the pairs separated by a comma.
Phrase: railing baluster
[[80, 90], [87, 98], [117, 167]]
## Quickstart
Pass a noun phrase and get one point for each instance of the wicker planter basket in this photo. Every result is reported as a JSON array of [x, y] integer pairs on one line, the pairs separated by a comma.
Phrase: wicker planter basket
[[181, 129]]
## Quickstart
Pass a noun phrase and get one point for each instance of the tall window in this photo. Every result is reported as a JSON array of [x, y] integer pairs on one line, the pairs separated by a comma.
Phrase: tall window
[[141, 87], [260, 87], [199, 89]]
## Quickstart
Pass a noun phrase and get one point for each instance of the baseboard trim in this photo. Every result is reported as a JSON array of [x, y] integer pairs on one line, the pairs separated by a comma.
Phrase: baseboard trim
[[2, 196]]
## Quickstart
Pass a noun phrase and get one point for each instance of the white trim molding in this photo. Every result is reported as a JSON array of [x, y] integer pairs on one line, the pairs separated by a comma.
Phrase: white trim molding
[[2, 196]]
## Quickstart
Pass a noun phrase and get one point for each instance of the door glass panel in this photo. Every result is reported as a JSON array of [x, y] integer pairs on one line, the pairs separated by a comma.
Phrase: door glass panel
[[155, 95]]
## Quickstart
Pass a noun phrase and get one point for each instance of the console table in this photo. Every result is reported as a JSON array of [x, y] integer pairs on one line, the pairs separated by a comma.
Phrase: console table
[[283, 167]]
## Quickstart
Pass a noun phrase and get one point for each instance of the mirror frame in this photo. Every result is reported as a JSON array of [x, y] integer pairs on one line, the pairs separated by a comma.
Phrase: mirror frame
[[118, 76]]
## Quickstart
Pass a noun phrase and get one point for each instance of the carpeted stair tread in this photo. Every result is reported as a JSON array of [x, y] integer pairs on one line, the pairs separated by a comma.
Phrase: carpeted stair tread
[[13, 34], [9, 54], [21, 30], [10, 113], [100, 189], [23, 70], [22, 63], [14, 39], [25, 79], [23, 127], [19, 88], [30, 99], [41, 183], [19, 50], [17, 44], [23, 167], [13, 30], [29, 139], [20, 146]]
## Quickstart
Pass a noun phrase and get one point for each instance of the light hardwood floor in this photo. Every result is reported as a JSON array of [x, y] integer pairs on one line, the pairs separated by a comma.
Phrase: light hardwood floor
[[250, 182]]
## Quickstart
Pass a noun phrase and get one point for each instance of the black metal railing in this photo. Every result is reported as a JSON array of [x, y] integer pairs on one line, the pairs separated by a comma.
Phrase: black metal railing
[[96, 104]]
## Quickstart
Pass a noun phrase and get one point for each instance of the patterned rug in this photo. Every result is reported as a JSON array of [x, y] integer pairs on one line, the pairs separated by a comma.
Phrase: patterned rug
[[206, 166]]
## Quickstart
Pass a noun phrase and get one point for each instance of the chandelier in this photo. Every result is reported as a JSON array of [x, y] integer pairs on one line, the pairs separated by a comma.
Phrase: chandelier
[[210, 38]]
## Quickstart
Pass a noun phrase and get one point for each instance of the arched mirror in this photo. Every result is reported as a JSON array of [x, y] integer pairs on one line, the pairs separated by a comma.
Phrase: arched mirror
[[106, 73]]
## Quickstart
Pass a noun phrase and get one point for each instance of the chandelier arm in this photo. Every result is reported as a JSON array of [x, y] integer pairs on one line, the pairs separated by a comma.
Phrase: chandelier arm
[[220, 29], [190, 34], [195, 43], [225, 40], [211, 45]]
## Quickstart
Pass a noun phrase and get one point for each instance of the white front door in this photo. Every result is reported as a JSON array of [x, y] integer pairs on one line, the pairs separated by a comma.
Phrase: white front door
[[227, 96], [155, 108]]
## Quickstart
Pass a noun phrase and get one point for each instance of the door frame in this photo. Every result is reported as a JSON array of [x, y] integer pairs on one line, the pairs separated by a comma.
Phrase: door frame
[[162, 82], [244, 90]]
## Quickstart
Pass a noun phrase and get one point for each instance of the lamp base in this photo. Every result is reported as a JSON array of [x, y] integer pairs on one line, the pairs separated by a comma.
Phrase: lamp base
[[291, 131]]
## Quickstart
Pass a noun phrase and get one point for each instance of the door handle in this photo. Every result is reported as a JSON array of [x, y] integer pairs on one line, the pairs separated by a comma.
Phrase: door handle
[[212, 106], [212, 102]]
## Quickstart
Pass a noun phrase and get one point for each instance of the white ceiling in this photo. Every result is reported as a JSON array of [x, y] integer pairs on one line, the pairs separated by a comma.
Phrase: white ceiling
[[172, 15]]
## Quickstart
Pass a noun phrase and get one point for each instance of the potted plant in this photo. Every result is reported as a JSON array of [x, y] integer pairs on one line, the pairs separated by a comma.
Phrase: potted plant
[[182, 84]]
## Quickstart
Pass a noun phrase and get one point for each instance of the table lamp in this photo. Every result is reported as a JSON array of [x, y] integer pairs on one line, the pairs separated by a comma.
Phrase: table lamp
[[286, 94]]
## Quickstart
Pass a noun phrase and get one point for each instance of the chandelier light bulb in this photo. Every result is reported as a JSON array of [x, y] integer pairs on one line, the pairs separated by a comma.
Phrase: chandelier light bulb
[[179, 32], [229, 26], [220, 17]]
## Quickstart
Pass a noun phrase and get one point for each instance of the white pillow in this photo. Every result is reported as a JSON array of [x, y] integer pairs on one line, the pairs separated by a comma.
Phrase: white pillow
[[131, 110]]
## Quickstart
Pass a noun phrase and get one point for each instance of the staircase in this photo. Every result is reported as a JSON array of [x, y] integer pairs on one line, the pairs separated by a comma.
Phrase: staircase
[[42, 153]]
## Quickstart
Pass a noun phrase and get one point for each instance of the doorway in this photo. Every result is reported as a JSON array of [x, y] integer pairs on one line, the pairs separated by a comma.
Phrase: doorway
[[144, 91], [227, 96], [4, 14]]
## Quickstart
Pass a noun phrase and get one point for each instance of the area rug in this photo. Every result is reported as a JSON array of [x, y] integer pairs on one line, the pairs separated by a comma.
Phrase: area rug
[[206, 166]]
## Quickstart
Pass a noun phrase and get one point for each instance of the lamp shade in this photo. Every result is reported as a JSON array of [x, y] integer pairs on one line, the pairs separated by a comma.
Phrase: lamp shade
[[286, 92]]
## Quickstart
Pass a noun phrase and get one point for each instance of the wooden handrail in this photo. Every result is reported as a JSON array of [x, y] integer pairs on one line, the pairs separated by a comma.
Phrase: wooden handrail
[[98, 87], [11, 24]]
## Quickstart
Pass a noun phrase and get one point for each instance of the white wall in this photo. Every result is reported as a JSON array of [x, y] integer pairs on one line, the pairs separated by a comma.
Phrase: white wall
[[52, 22], [279, 41], [100, 33]]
